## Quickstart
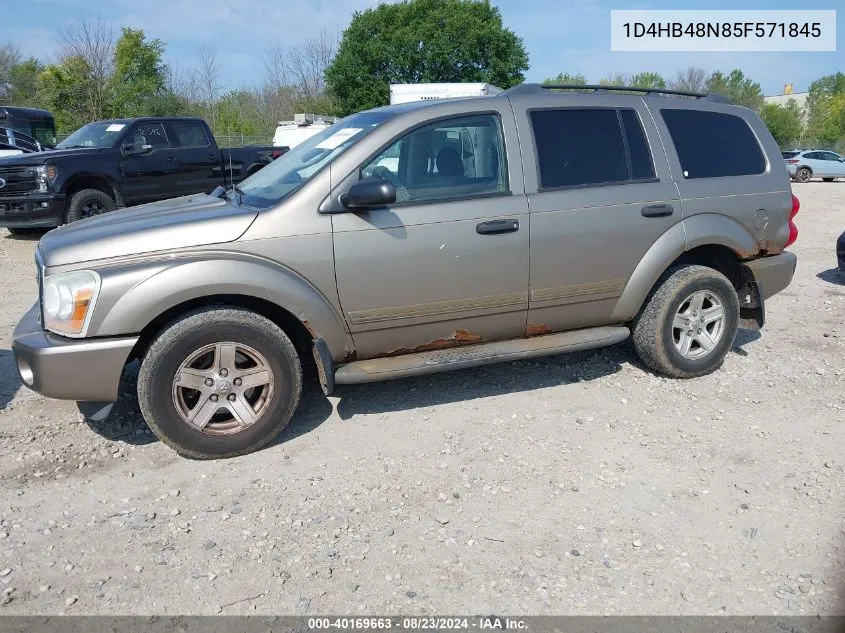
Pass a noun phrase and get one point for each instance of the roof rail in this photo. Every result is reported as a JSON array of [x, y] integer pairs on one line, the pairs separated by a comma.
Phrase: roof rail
[[524, 89]]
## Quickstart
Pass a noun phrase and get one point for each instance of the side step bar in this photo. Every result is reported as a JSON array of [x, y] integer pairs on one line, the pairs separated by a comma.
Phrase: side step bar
[[473, 355]]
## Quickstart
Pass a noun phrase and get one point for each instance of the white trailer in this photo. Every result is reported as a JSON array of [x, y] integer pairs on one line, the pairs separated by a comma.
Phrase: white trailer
[[292, 133], [404, 93]]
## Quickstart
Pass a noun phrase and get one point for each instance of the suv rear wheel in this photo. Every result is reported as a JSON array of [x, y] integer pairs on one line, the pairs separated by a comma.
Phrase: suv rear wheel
[[688, 323], [219, 383]]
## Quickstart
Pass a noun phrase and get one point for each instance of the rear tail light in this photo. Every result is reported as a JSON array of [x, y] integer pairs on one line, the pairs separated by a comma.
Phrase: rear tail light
[[793, 230], [792, 161]]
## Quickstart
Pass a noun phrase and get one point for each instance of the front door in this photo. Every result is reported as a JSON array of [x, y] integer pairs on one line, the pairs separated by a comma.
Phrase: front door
[[833, 165], [153, 172], [598, 200], [447, 264], [200, 167]]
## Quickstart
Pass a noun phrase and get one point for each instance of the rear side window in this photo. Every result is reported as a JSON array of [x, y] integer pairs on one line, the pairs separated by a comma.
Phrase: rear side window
[[713, 144], [789, 154], [583, 147], [189, 134]]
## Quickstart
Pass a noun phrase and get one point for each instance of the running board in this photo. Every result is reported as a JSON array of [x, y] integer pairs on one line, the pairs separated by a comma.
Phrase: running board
[[437, 361]]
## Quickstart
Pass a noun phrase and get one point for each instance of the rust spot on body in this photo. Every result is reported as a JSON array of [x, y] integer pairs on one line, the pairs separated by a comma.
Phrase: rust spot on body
[[534, 329], [351, 357], [460, 337], [308, 327]]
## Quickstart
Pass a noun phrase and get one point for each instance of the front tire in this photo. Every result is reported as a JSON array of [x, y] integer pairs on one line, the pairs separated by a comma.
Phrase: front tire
[[688, 323], [88, 203], [803, 175], [219, 382]]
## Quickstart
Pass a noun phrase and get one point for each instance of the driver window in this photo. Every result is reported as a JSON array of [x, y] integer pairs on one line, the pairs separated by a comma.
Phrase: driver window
[[151, 134], [454, 158]]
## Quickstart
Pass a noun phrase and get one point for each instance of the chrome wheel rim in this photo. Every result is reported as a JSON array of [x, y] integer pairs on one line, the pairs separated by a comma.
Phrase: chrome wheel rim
[[223, 388], [698, 325]]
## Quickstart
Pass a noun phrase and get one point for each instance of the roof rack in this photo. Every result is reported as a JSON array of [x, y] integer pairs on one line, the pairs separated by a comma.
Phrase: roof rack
[[524, 89]]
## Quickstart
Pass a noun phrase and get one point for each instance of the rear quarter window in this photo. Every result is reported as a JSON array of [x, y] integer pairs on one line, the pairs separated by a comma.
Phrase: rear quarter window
[[713, 144]]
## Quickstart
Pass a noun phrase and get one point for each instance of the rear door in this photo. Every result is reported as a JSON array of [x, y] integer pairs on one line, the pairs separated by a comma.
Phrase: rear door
[[599, 198], [153, 173], [200, 162]]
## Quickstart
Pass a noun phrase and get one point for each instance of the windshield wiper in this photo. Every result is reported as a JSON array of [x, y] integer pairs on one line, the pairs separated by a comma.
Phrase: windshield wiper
[[71, 146]]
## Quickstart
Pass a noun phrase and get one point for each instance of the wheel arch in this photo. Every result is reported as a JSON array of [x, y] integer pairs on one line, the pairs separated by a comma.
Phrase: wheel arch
[[147, 300], [709, 239], [93, 181]]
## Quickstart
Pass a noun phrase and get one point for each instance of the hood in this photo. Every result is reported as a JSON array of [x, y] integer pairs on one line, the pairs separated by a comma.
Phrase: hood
[[178, 223], [38, 158]]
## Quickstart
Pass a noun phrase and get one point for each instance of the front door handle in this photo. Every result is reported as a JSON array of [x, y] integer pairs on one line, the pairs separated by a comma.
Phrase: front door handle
[[658, 210], [494, 227]]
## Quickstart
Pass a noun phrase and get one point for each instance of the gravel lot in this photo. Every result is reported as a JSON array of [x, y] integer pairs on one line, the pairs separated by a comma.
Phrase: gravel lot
[[568, 485]]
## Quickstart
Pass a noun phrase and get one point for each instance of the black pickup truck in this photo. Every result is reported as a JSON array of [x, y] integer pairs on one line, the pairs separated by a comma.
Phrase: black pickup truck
[[120, 163]]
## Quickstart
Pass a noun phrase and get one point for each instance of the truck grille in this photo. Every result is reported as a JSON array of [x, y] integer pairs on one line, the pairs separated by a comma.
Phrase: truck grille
[[19, 180]]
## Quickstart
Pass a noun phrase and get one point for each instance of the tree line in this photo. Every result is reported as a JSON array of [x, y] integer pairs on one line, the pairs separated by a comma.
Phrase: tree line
[[99, 73]]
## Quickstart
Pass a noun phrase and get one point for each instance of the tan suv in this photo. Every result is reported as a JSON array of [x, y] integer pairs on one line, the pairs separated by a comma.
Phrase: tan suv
[[420, 238]]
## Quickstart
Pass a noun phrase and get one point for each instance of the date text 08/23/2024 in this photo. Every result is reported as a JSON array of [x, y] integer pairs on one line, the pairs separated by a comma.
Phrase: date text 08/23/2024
[[416, 623]]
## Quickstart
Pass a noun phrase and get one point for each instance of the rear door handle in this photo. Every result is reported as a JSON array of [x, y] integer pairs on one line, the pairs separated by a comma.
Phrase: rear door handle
[[493, 227], [658, 210]]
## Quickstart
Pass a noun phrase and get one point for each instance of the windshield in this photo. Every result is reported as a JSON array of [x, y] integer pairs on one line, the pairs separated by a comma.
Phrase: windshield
[[99, 135], [42, 130], [290, 171]]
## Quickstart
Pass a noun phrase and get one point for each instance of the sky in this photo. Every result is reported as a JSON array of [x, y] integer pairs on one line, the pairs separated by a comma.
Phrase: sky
[[559, 35]]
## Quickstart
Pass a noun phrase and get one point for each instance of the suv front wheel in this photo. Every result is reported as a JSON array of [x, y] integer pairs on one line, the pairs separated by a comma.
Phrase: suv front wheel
[[688, 323], [219, 382]]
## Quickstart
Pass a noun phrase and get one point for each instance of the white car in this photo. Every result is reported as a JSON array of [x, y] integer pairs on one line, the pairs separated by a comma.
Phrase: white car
[[803, 165]]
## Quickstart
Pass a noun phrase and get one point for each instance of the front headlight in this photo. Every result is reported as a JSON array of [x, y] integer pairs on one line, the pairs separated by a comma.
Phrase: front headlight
[[68, 301], [44, 176]]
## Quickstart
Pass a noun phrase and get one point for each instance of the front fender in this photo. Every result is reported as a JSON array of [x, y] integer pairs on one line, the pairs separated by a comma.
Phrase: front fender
[[133, 296]]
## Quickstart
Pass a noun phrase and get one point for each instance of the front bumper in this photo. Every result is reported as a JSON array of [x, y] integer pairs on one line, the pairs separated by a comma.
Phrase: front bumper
[[773, 274], [840, 252], [33, 211], [68, 369]]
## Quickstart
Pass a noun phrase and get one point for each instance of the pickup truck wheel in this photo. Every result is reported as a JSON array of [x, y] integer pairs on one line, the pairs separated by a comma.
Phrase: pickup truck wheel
[[88, 203], [219, 383], [688, 323]]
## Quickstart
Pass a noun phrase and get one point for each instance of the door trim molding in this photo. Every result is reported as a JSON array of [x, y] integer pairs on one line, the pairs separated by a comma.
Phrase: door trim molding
[[574, 293], [434, 308]]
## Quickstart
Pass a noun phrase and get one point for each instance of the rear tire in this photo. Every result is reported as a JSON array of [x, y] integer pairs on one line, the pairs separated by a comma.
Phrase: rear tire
[[225, 418], [679, 331], [803, 175], [88, 203]]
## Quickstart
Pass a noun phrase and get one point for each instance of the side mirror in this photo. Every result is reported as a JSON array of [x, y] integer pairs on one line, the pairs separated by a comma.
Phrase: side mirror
[[366, 194]]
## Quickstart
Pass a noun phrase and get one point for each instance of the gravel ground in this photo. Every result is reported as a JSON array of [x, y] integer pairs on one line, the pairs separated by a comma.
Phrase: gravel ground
[[568, 485]]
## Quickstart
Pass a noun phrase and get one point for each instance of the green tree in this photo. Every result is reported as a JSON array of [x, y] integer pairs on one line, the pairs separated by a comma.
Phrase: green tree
[[64, 89], [138, 81], [23, 78], [570, 79], [616, 79], [739, 88], [648, 80], [784, 122], [825, 108], [422, 41]]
